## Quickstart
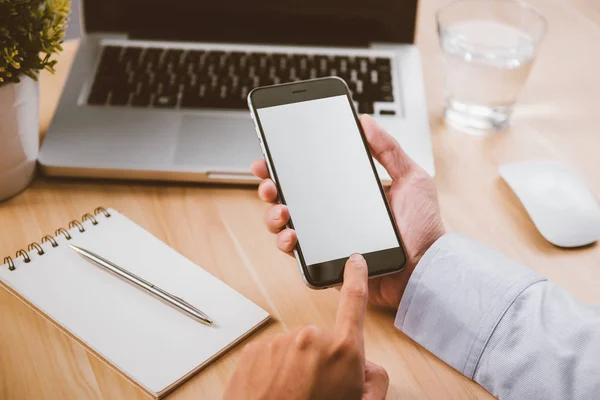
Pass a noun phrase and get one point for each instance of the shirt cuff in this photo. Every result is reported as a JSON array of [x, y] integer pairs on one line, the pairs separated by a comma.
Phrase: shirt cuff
[[456, 296]]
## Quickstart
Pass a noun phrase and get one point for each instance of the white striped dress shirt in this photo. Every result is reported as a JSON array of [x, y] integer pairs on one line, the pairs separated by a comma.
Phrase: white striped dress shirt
[[501, 324]]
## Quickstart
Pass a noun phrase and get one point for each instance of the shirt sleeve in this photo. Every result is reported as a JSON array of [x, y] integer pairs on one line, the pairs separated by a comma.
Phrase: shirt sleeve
[[501, 324]]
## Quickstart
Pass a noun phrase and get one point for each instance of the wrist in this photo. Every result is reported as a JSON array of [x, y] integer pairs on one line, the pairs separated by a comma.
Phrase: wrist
[[387, 291], [413, 262], [403, 281]]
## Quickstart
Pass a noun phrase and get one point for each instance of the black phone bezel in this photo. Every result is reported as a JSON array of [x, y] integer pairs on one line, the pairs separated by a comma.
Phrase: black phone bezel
[[329, 273]]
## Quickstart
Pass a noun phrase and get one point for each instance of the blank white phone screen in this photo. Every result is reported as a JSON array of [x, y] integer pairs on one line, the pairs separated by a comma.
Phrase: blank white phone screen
[[326, 178]]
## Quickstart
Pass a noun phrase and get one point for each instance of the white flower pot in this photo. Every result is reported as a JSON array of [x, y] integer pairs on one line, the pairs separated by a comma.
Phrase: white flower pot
[[19, 135]]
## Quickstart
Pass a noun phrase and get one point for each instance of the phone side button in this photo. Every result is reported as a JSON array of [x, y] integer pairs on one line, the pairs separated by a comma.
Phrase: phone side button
[[262, 148], [262, 145]]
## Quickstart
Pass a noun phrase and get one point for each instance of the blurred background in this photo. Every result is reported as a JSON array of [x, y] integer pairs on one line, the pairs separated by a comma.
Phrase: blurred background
[[74, 25]]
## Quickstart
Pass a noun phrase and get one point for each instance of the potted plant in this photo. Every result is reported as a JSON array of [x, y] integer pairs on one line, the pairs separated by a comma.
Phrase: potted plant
[[31, 32]]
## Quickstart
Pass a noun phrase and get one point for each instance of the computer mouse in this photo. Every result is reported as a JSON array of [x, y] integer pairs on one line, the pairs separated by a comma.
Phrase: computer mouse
[[563, 209]]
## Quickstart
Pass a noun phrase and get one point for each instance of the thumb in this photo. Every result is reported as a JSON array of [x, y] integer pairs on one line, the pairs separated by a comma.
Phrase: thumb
[[386, 149], [376, 382]]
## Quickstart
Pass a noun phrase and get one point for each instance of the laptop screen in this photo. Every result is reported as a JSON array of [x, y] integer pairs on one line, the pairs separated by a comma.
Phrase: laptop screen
[[309, 22]]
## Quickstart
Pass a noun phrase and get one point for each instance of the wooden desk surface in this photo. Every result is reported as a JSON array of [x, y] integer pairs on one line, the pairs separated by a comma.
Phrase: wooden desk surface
[[221, 229]]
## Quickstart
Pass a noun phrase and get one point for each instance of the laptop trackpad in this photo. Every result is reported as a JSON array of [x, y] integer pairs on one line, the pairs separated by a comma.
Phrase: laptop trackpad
[[217, 143]]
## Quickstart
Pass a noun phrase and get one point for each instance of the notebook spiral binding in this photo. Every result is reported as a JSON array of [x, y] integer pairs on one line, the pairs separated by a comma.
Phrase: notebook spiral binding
[[34, 246]]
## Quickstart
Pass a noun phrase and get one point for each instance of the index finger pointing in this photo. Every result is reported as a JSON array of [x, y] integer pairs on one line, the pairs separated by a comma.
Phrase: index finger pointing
[[353, 299]]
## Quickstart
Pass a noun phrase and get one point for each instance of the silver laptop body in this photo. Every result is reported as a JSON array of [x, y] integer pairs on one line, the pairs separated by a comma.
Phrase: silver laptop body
[[114, 120]]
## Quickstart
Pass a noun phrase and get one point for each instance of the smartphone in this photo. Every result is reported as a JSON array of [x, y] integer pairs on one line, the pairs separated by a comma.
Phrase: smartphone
[[318, 157]]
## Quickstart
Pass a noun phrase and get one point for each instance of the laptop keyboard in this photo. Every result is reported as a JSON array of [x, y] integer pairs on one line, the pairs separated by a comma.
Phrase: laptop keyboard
[[175, 78]]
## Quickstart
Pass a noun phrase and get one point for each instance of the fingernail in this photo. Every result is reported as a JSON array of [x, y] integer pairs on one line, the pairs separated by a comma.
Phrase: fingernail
[[356, 257]]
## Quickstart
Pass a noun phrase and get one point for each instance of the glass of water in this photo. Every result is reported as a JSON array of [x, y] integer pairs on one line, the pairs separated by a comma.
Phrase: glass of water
[[488, 48]]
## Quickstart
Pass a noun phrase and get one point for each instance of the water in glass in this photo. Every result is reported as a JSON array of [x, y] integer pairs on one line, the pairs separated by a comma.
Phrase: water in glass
[[487, 62]]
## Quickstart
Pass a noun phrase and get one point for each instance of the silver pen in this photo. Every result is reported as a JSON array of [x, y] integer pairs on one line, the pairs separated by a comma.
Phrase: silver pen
[[146, 286]]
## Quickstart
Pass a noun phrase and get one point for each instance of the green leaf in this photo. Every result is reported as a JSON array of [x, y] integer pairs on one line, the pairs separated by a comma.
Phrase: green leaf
[[31, 32]]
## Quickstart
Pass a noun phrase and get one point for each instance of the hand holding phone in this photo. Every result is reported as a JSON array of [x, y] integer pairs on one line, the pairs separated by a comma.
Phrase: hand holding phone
[[313, 143], [412, 198]]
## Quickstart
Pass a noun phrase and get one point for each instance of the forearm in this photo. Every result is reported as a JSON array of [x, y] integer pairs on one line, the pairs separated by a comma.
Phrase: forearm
[[501, 324]]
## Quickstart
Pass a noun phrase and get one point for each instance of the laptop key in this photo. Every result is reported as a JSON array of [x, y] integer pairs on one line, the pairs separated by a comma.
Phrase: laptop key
[[362, 64], [365, 108], [171, 86], [190, 100], [352, 86], [165, 101], [386, 88], [235, 56], [173, 56], [141, 99], [192, 57], [111, 53], [98, 97], [152, 55], [132, 54], [119, 98], [303, 73], [384, 69]]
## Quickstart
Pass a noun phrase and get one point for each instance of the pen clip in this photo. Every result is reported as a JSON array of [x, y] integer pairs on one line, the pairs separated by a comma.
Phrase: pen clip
[[183, 301], [180, 299]]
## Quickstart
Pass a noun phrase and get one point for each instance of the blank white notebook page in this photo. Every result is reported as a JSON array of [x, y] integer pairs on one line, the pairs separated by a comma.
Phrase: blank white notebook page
[[152, 343]]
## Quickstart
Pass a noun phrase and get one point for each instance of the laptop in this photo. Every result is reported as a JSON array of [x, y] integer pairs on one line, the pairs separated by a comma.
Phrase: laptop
[[157, 89]]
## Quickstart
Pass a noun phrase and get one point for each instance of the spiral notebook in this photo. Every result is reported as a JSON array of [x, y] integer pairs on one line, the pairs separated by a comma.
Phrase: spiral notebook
[[154, 345]]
